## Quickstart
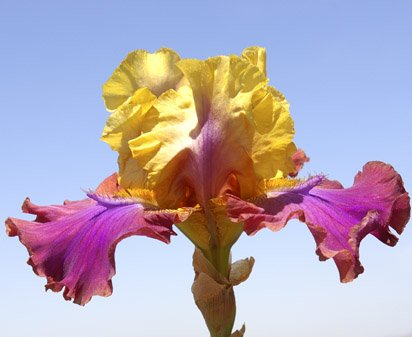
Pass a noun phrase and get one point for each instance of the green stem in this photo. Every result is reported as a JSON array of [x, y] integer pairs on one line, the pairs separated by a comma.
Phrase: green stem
[[219, 256]]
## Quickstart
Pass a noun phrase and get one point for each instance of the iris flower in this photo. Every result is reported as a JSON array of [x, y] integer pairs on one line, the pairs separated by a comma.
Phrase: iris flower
[[204, 146]]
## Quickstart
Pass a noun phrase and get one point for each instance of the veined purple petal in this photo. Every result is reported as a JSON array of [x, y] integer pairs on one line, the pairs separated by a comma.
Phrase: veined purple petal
[[338, 218], [73, 245]]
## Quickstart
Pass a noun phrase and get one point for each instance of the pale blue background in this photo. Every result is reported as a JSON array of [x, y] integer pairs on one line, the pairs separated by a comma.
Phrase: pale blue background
[[346, 68]]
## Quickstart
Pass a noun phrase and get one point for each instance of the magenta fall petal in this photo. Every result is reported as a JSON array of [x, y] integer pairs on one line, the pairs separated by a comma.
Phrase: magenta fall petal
[[338, 218], [73, 245]]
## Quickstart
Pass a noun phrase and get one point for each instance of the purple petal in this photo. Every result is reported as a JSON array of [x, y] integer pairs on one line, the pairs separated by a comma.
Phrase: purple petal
[[338, 218], [73, 245]]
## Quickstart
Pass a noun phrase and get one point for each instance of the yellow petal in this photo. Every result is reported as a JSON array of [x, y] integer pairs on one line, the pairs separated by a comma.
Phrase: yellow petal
[[131, 175], [222, 86], [256, 56], [155, 149], [125, 123], [273, 145], [141, 69]]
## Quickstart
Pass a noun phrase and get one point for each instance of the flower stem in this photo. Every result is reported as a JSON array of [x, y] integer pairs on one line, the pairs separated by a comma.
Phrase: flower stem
[[214, 296], [217, 254]]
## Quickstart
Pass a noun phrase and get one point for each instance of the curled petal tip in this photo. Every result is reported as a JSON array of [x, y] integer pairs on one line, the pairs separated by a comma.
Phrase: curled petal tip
[[401, 212], [26, 206], [11, 229], [239, 333], [240, 270], [299, 158], [141, 69], [108, 186]]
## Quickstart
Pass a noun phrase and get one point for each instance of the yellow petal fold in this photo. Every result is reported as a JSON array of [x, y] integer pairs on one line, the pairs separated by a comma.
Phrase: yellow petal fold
[[273, 145], [141, 69], [256, 56], [128, 121]]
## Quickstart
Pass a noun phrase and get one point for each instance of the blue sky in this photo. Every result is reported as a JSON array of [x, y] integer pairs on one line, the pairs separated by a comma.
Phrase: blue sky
[[345, 67]]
